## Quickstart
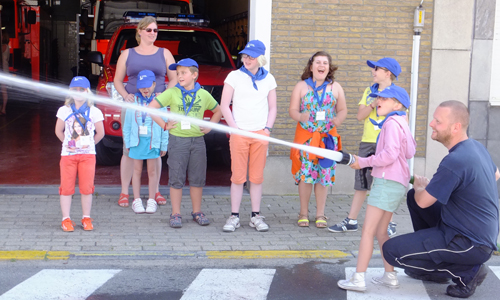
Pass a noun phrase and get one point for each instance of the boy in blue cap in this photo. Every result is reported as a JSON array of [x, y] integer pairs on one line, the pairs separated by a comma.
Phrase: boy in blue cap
[[186, 147], [384, 72], [395, 145], [145, 140]]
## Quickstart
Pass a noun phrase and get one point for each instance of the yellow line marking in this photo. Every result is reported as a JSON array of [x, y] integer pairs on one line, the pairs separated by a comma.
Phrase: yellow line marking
[[34, 255], [131, 254], [276, 254]]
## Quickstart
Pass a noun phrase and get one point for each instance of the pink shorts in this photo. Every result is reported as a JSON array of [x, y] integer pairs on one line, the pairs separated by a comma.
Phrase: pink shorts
[[247, 152], [70, 165]]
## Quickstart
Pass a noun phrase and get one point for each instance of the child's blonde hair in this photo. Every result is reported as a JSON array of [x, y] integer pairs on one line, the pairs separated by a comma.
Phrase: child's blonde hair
[[69, 100], [261, 59]]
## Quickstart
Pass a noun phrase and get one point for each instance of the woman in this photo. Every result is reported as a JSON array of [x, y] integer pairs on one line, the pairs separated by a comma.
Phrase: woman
[[131, 61], [318, 105], [253, 92]]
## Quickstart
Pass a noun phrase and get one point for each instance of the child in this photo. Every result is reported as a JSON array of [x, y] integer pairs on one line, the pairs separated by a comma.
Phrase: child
[[186, 148], [145, 140], [318, 105], [384, 72], [252, 91], [391, 176], [78, 157]]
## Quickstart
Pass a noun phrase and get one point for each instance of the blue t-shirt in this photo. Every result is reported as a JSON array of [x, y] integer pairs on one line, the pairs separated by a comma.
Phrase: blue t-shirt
[[465, 184]]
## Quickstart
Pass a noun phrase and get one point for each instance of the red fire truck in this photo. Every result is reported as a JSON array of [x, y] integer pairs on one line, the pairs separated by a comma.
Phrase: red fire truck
[[185, 36], [28, 27]]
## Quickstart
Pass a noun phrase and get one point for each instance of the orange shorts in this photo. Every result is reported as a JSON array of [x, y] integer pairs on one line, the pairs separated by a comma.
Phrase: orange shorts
[[246, 152], [70, 165]]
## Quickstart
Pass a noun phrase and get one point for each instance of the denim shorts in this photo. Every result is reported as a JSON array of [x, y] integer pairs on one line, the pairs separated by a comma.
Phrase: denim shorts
[[386, 194]]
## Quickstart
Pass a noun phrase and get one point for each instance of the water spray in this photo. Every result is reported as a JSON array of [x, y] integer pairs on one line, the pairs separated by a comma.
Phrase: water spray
[[64, 92]]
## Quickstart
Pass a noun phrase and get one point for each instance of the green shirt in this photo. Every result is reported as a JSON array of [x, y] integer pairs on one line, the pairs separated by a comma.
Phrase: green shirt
[[173, 98]]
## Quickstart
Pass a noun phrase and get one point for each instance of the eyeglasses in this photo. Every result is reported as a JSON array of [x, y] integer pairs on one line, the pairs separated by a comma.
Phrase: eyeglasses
[[380, 68], [150, 29], [244, 56]]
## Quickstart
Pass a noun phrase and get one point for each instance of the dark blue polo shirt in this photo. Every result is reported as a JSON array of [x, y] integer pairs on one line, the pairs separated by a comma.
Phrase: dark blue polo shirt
[[465, 184]]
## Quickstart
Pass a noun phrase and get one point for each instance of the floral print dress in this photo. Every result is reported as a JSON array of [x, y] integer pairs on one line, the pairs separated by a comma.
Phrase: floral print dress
[[311, 171]]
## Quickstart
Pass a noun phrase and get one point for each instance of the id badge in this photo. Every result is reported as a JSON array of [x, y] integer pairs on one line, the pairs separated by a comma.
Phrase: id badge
[[376, 127], [143, 130], [320, 115], [85, 140], [185, 125]]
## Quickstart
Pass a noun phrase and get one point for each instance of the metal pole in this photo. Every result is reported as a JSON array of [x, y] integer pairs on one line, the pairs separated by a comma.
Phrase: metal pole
[[418, 25]]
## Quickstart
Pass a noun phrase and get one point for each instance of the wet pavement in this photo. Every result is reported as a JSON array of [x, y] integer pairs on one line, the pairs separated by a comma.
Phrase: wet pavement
[[30, 150]]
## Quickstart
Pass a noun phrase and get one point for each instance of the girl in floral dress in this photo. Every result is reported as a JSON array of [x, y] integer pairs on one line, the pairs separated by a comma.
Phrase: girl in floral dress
[[318, 105]]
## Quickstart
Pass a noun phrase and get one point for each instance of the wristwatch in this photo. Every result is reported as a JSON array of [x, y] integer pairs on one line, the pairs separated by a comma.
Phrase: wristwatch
[[268, 128]]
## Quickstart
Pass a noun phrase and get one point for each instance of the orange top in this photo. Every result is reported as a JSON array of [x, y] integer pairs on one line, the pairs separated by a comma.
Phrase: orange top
[[302, 136]]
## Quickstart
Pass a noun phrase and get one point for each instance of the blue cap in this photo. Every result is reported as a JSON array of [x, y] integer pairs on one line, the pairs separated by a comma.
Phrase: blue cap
[[254, 48], [330, 145], [80, 81], [186, 62], [394, 91], [145, 79], [389, 63]]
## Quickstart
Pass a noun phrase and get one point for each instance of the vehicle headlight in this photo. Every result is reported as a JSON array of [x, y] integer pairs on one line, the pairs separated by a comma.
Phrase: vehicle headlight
[[113, 93]]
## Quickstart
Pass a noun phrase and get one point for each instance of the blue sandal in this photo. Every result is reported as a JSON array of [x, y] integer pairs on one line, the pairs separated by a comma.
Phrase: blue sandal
[[176, 221], [200, 218]]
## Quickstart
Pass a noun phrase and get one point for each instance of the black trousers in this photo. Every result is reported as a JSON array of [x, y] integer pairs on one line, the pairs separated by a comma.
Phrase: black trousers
[[425, 251]]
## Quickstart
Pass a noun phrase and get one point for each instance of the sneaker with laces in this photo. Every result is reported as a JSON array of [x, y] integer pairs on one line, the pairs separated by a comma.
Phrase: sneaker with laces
[[391, 229], [68, 225], [389, 279], [137, 206], [87, 224], [232, 223], [356, 283], [258, 223], [151, 206], [346, 225]]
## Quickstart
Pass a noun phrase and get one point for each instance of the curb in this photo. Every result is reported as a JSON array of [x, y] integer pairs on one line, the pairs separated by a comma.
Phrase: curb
[[268, 254]]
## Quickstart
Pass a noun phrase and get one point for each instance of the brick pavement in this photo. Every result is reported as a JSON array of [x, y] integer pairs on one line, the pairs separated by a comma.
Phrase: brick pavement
[[32, 222]]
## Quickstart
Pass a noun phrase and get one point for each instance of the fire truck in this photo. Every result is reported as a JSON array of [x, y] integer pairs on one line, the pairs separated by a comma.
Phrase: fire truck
[[29, 30], [186, 36]]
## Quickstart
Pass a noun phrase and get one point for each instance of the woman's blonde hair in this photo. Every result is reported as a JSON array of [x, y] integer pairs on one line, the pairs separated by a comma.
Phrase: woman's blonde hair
[[69, 100], [143, 24]]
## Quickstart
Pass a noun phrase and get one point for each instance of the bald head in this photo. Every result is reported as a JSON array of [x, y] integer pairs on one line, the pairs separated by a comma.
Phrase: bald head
[[458, 113]]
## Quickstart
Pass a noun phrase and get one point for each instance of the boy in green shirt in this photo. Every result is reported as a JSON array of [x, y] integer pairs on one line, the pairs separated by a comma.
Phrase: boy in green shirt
[[186, 147]]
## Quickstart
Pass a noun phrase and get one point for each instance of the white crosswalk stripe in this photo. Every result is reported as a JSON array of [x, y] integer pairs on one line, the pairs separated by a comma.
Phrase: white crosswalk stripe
[[59, 284], [222, 284], [409, 288]]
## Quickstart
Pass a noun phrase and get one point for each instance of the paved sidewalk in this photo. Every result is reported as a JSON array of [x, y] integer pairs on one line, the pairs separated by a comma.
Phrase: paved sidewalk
[[32, 222]]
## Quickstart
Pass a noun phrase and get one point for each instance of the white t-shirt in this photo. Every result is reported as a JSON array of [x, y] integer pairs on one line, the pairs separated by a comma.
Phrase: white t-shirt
[[250, 106], [76, 140]]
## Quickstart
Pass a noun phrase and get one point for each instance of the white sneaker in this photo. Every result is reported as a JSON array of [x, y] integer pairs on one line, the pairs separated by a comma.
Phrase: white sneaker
[[231, 224], [258, 223], [356, 283], [151, 206], [389, 279], [137, 206]]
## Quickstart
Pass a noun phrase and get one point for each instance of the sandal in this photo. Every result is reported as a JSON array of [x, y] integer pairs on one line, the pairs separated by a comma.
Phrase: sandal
[[175, 221], [160, 199], [303, 221], [123, 200], [321, 222], [200, 218]]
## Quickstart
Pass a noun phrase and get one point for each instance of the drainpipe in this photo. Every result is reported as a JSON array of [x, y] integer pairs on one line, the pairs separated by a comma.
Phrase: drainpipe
[[418, 25]]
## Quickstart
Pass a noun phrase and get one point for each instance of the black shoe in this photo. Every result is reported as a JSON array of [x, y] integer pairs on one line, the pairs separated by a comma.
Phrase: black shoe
[[427, 277], [460, 291]]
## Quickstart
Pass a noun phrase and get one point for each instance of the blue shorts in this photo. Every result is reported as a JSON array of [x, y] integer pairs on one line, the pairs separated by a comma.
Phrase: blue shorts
[[142, 150], [386, 194]]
